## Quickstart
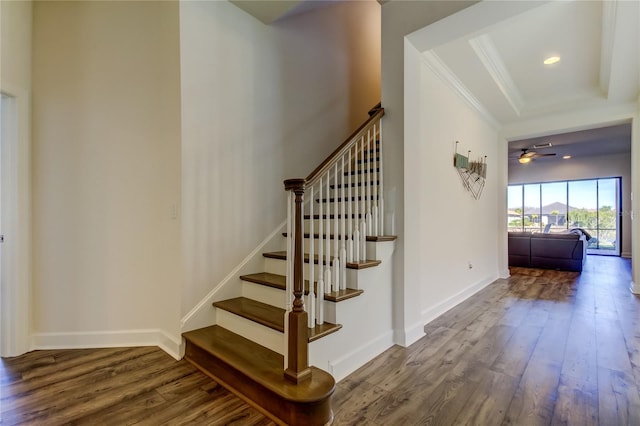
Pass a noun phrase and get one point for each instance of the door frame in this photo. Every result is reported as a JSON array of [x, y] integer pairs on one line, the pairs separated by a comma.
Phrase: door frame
[[15, 223]]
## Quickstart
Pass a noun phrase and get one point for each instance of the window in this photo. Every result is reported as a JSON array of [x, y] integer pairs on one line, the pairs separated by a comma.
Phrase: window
[[592, 205]]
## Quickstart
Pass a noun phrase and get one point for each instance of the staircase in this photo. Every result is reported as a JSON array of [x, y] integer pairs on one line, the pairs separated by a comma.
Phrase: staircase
[[260, 343]]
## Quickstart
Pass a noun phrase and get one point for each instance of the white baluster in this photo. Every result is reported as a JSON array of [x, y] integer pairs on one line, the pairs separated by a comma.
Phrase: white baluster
[[363, 241], [356, 203], [343, 231], [381, 183], [343, 268], [319, 301], [349, 211], [335, 267], [311, 315], [320, 290], [374, 189], [370, 175], [363, 211], [327, 280], [336, 236], [327, 244]]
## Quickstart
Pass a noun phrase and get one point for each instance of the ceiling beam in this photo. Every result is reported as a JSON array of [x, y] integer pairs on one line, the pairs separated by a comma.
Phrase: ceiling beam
[[493, 63], [620, 59], [266, 11]]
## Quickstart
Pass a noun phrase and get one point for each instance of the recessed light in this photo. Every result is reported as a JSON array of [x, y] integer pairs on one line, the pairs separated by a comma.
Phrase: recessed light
[[566, 157], [552, 60]]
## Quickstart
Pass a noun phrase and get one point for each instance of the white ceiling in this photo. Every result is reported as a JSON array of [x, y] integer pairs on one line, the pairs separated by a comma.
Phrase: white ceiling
[[499, 68]]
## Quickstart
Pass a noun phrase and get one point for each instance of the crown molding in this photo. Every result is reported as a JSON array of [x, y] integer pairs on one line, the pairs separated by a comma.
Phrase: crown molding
[[436, 65], [490, 58], [609, 9]]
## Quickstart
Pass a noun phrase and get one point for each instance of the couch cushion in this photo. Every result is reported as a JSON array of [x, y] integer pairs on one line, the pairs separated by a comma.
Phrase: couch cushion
[[519, 248], [558, 246]]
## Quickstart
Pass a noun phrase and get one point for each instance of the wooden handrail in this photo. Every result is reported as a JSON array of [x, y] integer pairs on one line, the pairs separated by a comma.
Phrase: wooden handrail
[[378, 112], [297, 350]]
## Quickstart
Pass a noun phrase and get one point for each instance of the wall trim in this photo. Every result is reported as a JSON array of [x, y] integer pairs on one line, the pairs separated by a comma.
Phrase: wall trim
[[201, 314], [347, 364], [626, 254], [108, 339], [488, 54], [410, 335], [440, 308], [607, 41], [15, 285], [635, 288], [440, 69], [504, 274]]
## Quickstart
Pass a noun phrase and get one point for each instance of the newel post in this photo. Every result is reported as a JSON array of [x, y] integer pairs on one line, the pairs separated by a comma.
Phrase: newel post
[[297, 368]]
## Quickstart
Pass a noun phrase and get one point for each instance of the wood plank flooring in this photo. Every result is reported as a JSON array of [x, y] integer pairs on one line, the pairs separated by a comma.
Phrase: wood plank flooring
[[539, 348]]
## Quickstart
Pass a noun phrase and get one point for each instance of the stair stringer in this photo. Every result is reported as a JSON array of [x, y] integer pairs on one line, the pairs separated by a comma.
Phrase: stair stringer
[[202, 315], [367, 320]]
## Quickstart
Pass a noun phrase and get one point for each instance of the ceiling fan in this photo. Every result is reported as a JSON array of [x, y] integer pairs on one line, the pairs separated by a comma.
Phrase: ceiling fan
[[529, 154]]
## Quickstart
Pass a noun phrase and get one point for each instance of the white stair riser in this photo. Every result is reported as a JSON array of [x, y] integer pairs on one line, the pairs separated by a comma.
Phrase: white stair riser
[[276, 297], [251, 330], [277, 266], [316, 225], [265, 294], [370, 246]]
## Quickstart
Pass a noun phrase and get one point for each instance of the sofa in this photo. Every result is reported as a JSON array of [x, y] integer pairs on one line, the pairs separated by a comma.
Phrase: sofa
[[564, 251]]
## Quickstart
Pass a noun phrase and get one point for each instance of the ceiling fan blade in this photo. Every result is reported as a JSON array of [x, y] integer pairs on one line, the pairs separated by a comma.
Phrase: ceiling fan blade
[[528, 154], [544, 155]]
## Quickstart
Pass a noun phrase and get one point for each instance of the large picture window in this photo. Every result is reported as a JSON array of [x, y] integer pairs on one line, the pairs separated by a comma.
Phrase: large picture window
[[592, 205]]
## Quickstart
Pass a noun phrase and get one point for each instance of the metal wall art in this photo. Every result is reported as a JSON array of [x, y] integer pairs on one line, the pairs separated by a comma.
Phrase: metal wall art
[[472, 173]]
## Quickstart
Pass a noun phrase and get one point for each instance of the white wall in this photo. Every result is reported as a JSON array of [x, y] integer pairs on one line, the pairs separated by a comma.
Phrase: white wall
[[584, 168], [15, 85], [261, 104], [446, 229], [400, 18], [106, 173]]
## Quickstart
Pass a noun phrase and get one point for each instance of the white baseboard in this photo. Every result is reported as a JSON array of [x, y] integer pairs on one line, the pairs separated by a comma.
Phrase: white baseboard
[[635, 288], [505, 274], [410, 335], [626, 255], [350, 362], [108, 339], [440, 308]]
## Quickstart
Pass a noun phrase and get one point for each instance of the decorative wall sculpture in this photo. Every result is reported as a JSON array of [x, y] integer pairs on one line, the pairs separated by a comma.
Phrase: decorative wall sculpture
[[472, 173]]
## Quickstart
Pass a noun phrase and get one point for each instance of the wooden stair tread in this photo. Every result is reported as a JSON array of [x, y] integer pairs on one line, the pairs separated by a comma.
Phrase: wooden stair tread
[[353, 184], [353, 198], [267, 279], [332, 216], [255, 373], [361, 171], [269, 316], [371, 238], [282, 255], [340, 295], [381, 238], [279, 282]]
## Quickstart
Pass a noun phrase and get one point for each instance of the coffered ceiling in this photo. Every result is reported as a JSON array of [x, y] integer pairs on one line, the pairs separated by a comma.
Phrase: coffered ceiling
[[502, 67], [499, 69]]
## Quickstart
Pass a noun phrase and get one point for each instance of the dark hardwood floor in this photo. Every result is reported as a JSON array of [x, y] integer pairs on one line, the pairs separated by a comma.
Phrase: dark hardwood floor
[[540, 348]]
